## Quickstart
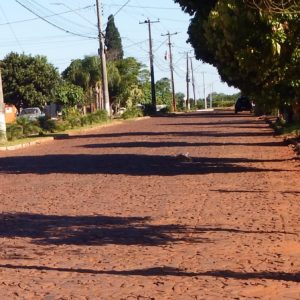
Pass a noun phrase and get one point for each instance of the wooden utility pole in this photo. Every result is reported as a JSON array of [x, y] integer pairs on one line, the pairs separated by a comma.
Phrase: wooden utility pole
[[193, 81], [2, 114], [187, 103], [103, 60], [153, 93], [204, 94], [171, 67]]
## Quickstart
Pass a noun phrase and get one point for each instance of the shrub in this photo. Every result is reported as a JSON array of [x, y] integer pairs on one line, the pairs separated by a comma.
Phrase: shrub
[[72, 116], [47, 124], [100, 116], [14, 132], [29, 127], [132, 112]]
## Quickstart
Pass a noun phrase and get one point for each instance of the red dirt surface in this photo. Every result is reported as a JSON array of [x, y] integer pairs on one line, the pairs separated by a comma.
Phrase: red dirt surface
[[193, 206]]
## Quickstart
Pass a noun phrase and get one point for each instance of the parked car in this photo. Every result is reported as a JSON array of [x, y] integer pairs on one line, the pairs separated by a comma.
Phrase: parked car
[[31, 113], [243, 104]]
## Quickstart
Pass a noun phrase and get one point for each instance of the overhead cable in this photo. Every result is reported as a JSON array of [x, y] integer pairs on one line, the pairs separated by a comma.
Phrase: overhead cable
[[53, 24]]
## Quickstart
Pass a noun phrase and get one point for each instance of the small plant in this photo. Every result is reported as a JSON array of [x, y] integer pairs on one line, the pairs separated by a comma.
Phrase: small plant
[[132, 112], [100, 116], [72, 116], [14, 132], [47, 124], [29, 127]]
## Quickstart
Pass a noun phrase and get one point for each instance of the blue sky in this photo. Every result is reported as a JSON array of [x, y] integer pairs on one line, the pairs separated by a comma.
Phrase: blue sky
[[72, 34]]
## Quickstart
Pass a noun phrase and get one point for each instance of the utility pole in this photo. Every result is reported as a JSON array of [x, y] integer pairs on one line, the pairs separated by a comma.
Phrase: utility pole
[[153, 93], [101, 52], [210, 97], [205, 100], [187, 104], [2, 114], [193, 81], [171, 67]]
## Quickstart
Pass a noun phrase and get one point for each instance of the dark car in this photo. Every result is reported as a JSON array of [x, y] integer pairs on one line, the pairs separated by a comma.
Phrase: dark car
[[243, 104]]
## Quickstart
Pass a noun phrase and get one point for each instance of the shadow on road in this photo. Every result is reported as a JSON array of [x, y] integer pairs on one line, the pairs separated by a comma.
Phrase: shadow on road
[[93, 230], [169, 271], [212, 134], [129, 164], [102, 230], [161, 144]]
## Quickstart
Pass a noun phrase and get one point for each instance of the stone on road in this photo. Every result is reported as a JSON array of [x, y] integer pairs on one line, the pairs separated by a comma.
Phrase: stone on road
[[192, 206]]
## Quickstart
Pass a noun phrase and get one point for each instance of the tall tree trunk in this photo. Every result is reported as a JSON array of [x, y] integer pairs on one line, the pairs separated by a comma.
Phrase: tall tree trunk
[[2, 114]]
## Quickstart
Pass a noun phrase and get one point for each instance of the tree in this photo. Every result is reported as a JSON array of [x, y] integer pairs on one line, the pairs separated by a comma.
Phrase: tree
[[69, 94], [113, 42], [28, 80], [85, 73], [275, 6], [252, 50], [163, 91], [133, 80]]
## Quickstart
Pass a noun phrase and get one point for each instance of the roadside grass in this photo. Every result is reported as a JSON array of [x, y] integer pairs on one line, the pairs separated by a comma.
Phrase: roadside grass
[[62, 134], [286, 129], [22, 141]]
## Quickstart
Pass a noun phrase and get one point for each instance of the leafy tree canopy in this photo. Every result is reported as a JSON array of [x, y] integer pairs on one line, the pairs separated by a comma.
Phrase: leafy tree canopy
[[69, 94], [253, 50], [28, 80], [163, 91]]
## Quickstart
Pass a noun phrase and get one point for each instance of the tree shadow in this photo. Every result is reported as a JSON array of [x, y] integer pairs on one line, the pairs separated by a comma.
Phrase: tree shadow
[[169, 271], [161, 144], [213, 134], [129, 164], [94, 230], [102, 230]]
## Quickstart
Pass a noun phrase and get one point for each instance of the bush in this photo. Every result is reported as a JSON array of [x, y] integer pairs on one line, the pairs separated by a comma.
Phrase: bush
[[29, 127], [47, 124], [14, 132], [61, 125], [132, 112], [100, 116]]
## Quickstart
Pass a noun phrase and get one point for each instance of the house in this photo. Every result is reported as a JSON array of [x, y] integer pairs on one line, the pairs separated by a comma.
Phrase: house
[[10, 113]]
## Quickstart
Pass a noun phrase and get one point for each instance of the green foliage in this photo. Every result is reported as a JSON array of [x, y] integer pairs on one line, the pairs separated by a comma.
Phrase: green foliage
[[47, 124], [253, 50], [72, 116], [69, 94], [132, 112], [28, 80], [163, 91], [133, 78], [85, 73], [14, 132], [113, 42], [29, 127]]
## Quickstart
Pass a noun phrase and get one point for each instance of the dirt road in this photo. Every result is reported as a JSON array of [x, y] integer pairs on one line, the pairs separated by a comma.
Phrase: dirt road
[[198, 206]]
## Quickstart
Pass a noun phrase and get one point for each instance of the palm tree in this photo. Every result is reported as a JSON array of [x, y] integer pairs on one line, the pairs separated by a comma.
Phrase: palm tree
[[86, 73]]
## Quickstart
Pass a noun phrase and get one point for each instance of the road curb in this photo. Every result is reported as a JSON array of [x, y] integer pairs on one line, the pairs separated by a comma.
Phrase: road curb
[[27, 144], [65, 135]]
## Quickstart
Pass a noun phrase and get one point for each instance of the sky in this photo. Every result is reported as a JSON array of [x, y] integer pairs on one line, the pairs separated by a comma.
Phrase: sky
[[67, 30]]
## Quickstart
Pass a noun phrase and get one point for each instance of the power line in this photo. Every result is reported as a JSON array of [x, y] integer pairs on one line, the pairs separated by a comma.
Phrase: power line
[[49, 16], [12, 30], [52, 24], [40, 8], [125, 4], [144, 7]]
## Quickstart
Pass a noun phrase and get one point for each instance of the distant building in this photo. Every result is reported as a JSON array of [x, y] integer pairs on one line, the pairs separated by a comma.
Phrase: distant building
[[10, 113]]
